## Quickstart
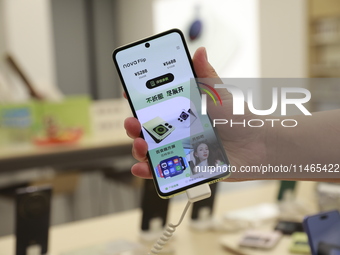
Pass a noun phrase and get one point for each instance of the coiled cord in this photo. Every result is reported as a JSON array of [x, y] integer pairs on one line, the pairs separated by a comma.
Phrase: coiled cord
[[168, 232]]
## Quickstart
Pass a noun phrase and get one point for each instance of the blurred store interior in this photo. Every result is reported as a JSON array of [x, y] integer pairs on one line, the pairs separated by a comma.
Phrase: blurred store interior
[[56, 71]]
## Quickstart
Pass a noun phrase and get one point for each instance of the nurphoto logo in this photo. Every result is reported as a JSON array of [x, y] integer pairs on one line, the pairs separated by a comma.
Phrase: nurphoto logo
[[239, 99]]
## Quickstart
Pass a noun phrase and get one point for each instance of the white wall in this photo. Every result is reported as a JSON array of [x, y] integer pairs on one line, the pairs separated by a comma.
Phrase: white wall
[[29, 40], [283, 38], [243, 15], [271, 34], [229, 31], [2, 33], [134, 20], [283, 45]]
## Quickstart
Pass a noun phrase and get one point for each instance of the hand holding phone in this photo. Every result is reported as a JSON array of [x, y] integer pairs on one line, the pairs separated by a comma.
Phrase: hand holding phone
[[156, 74]]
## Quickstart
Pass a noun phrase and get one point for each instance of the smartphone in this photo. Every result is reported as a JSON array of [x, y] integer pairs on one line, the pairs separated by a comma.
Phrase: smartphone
[[323, 232], [158, 78]]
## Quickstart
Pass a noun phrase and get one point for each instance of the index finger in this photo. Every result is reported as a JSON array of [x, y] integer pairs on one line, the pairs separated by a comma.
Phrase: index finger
[[132, 127]]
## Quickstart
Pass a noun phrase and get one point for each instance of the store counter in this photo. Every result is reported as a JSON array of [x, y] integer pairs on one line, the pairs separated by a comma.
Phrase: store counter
[[126, 226]]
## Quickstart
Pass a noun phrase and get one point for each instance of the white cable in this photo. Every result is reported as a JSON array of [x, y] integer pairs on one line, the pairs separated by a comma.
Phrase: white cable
[[194, 194], [168, 232]]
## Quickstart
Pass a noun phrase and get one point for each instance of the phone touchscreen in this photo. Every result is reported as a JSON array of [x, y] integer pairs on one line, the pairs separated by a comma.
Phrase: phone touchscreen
[[183, 149]]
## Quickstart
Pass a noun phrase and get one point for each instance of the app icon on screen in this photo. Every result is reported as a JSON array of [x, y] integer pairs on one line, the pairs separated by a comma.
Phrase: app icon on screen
[[171, 167]]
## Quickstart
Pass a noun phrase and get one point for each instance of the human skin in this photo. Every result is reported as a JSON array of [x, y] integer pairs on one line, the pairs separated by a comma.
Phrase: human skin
[[316, 139]]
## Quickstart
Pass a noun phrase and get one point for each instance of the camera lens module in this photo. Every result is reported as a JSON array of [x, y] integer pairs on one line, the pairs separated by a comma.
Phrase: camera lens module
[[184, 115], [160, 129], [147, 45]]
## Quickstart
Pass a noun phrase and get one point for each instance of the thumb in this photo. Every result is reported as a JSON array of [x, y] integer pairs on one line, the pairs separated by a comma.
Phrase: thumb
[[202, 67]]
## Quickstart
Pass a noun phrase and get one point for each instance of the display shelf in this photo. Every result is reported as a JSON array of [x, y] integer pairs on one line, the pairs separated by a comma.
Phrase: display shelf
[[324, 52]]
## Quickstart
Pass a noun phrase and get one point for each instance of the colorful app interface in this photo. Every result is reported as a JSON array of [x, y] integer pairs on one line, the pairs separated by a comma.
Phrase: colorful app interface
[[157, 79], [171, 167]]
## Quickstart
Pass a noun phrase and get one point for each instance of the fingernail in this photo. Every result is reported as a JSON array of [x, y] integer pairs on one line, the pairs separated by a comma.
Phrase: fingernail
[[205, 54]]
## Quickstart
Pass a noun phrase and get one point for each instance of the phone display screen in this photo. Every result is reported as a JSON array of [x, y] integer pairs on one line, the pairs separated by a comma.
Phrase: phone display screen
[[158, 78]]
